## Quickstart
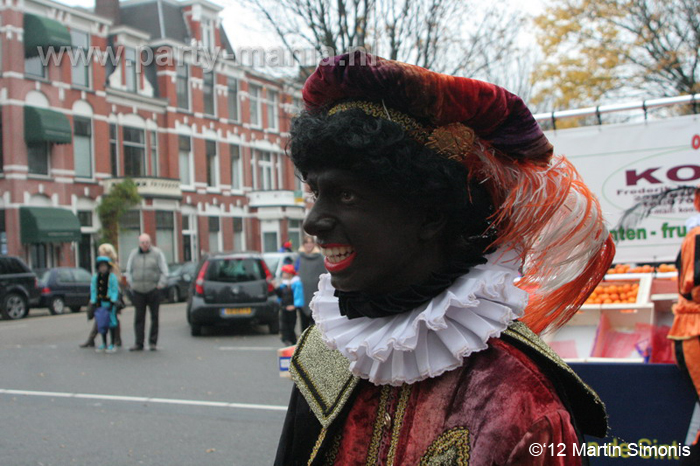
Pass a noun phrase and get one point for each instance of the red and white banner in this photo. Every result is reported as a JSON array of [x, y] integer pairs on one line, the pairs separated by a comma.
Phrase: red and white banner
[[623, 162]]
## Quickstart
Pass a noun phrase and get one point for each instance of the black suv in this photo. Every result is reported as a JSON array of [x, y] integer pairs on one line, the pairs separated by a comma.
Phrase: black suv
[[18, 288], [231, 289]]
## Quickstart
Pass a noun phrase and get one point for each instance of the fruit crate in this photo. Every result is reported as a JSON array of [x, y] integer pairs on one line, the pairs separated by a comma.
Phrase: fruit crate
[[581, 338]]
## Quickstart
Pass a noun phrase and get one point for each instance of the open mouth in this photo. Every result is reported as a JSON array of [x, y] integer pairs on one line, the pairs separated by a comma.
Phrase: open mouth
[[338, 256]]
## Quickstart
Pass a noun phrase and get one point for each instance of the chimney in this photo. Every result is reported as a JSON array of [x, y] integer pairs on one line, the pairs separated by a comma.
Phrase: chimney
[[108, 9]]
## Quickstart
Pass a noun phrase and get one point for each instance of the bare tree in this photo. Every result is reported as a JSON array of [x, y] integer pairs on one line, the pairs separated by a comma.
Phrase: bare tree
[[452, 36]]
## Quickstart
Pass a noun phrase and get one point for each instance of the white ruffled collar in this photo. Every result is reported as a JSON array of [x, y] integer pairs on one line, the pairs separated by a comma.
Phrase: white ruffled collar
[[431, 339]]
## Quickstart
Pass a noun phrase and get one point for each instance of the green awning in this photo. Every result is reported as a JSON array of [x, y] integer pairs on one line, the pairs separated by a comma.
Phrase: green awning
[[44, 125], [41, 33], [48, 225]]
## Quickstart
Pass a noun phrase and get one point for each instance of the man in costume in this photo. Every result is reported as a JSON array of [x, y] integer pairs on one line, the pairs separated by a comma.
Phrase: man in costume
[[433, 193], [685, 330]]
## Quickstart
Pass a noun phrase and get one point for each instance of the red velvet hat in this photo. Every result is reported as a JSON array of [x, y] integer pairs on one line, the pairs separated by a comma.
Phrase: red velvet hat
[[544, 210], [289, 268]]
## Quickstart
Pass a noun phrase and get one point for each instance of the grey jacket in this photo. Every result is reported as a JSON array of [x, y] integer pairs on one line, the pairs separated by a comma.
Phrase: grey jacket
[[310, 268], [145, 271]]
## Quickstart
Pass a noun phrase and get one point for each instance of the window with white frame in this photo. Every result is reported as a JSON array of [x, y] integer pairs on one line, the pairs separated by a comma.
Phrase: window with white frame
[[185, 159], [80, 67], [266, 169], [208, 93], [154, 152], [165, 234], [294, 230], [34, 67], [82, 147], [129, 231], [208, 37], [236, 167], [214, 234], [134, 152], [38, 158], [189, 237], [238, 234], [183, 85], [130, 65], [255, 105], [279, 158], [114, 149], [232, 98], [212, 164], [272, 110]]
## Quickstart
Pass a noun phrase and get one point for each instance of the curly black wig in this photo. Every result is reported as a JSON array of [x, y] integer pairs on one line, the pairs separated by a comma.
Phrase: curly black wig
[[381, 152]]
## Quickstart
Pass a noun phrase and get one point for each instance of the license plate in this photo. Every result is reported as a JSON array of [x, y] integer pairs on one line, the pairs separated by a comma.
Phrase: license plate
[[238, 311]]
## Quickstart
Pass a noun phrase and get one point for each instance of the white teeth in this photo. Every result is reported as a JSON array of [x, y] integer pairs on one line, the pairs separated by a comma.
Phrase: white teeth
[[336, 254]]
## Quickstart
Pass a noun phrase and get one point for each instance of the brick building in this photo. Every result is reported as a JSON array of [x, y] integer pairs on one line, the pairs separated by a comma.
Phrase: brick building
[[204, 142]]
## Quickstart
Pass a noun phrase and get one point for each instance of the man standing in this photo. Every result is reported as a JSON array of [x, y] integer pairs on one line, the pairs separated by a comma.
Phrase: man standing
[[146, 273], [309, 267]]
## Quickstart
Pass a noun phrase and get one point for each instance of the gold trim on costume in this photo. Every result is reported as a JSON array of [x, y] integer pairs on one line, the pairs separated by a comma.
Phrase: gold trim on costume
[[522, 333], [453, 141], [317, 446], [378, 431], [409, 124], [451, 447], [398, 416], [322, 376]]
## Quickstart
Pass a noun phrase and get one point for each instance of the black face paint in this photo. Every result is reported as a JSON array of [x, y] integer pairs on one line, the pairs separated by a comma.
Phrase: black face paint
[[377, 235]]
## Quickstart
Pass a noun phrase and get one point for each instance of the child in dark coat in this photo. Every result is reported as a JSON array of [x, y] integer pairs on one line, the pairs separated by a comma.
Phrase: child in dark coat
[[291, 296], [104, 294]]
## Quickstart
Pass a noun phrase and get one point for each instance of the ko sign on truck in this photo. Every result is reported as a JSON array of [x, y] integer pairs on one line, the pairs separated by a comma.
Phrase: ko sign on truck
[[622, 163]]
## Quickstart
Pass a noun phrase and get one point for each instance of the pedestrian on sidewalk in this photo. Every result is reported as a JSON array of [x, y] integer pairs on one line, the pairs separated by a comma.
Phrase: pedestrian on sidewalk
[[104, 294], [107, 250], [146, 273], [291, 294], [310, 266]]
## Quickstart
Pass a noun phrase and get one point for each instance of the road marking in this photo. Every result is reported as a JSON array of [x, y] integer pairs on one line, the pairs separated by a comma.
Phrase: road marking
[[247, 348], [139, 399]]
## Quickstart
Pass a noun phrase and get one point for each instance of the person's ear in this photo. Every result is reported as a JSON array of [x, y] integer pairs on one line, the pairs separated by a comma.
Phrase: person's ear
[[432, 226]]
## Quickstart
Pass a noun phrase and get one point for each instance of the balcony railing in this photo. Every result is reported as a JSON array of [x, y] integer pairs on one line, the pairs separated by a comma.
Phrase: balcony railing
[[276, 198], [150, 187]]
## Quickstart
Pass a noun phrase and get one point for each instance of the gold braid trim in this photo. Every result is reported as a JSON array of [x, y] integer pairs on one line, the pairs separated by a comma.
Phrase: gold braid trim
[[453, 141], [417, 131], [373, 452], [317, 446], [452, 447], [398, 416]]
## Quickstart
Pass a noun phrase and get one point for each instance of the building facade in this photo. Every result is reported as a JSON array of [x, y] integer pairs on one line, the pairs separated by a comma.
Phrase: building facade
[[146, 90]]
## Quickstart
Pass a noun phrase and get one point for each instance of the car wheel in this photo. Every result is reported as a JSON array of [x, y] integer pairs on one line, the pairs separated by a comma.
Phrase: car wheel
[[174, 295], [14, 306], [57, 305], [196, 330], [274, 326], [75, 309]]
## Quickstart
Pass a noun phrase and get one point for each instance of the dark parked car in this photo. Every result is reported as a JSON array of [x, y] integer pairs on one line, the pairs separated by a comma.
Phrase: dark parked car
[[64, 288], [18, 288], [231, 289], [180, 279]]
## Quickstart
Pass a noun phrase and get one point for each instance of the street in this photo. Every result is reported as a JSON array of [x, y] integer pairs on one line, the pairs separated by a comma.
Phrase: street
[[210, 400]]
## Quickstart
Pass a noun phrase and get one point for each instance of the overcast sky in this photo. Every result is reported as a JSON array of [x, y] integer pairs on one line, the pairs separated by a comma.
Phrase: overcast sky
[[245, 29]]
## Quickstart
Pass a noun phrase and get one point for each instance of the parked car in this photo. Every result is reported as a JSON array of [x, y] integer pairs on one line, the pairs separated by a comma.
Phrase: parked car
[[64, 288], [18, 288], [180, 278], [232, 289], [275, 261]]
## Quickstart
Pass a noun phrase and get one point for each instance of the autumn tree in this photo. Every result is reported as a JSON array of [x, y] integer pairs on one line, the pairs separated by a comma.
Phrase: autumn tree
[[598, 49], [451, 36]]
